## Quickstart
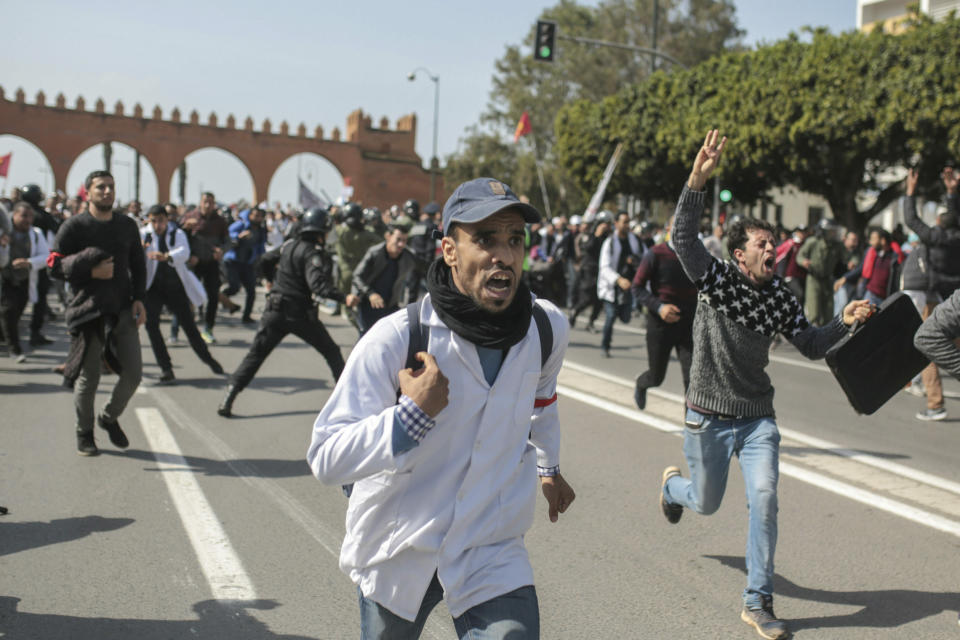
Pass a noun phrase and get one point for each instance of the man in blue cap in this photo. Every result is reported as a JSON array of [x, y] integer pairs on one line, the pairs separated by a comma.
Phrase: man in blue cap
[[443, 459]]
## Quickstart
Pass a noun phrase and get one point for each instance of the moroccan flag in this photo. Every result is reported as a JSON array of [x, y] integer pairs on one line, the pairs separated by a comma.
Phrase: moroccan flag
[[523, 127], [5, 164]]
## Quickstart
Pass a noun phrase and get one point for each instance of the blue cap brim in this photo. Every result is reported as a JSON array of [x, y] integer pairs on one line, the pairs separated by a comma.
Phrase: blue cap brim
[[484, 210]]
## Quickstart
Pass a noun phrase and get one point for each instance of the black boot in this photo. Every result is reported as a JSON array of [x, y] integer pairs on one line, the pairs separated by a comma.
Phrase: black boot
[[226, 405]]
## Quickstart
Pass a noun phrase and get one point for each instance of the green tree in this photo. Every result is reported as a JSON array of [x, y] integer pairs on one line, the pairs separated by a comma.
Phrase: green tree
[[833, 116]]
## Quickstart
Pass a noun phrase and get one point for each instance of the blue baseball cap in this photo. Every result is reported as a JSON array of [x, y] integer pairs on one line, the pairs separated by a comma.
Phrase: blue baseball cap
[[480, 198]]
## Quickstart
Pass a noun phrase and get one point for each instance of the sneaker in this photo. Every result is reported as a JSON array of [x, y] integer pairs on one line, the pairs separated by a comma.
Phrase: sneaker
[[207, 336], [929, 415], [175, 340], [86, 446], [640, 395], [112, 427], [765, 622], [916, 390], [671, 512], [20, 359], [166, 377]]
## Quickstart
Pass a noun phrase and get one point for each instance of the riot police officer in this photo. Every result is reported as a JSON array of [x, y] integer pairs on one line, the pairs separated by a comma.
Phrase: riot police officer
[[353, 240], [300, 269]]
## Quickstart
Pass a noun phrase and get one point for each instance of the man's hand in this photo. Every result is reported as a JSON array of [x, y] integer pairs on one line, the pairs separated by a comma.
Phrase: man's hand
[[352, 300], [708, 158], [950, 179], [159, 256], [244, 234], [839, 283], [806, 263], [139, 313], [427, 387], [192, 261], [558, 493], [376, 300], [858, 311], [189, 224], [623, 283], [4, 240], [913, 176], [104, 270], [21, 263], [669, 313]]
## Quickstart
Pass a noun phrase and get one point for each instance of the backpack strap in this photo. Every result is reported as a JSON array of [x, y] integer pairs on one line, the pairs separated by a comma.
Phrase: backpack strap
[[546, 333], [419, 335]]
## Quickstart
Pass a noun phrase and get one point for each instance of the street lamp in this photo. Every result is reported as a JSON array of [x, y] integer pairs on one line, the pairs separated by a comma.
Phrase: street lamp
[[434, 162]]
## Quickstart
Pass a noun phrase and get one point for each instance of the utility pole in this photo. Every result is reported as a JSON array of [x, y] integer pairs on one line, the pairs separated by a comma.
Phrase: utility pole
[[656, 23]]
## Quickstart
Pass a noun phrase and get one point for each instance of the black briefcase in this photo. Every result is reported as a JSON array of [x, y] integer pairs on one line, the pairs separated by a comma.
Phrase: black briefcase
[[877, 359]]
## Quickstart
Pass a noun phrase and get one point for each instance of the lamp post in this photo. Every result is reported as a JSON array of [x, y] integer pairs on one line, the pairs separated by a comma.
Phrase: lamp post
[[434, 162]]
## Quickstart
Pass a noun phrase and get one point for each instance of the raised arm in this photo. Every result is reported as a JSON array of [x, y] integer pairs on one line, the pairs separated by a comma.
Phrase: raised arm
[[694, 257]]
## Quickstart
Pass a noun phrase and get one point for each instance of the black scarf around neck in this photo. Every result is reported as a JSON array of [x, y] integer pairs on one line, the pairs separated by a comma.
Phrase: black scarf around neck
[[466, 319]]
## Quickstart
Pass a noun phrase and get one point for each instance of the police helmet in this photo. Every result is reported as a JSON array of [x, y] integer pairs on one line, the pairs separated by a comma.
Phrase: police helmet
[[371, 215], [604, 216], [315, 220], [353, 214], [412, 208], [33, 194]]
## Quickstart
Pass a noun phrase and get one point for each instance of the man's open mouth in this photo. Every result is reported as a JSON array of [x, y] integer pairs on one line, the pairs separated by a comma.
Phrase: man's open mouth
[[499, 285], [769, 263]]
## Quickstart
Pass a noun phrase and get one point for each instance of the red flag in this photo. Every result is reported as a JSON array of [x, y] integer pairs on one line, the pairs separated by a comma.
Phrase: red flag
[[5, 164], [523, 127]]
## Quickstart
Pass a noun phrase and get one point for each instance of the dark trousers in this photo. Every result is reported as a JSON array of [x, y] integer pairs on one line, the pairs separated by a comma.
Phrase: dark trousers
[[367, 316], [622, 309], [175, 298], [245, 275], [662, 338], [278, 320], [13, 300], [40, 308], [209, 275]]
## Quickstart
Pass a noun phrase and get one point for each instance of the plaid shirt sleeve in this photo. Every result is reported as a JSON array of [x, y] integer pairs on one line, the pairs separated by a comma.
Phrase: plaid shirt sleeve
[[548, 472], [415, 422]]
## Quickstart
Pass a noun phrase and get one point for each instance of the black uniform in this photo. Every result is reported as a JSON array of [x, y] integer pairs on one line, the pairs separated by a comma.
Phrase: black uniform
[[302, 269]]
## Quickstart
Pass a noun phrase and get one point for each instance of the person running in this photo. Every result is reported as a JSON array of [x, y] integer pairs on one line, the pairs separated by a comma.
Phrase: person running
[[743, 304], [101, 257], [672, 301], [208, 237], [444, 472], [170, 283], [619, 258], [23, 257]]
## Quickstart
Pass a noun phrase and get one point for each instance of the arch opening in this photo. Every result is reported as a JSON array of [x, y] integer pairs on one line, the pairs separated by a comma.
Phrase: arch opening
[[216, 170], [318, 174], [28, 165], [123, 159]]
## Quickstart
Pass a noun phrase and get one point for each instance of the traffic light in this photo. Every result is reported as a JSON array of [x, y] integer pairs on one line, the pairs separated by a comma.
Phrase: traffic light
[[726, 195], [544, 44]]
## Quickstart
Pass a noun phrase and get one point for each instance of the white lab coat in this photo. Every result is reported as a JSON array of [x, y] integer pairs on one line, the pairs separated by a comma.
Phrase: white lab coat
[[460, 502], [609, 256], [178, 247], [39, 250]]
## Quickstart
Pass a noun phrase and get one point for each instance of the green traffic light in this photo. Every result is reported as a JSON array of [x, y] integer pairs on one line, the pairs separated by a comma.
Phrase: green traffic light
[[726, 195], [544, 52]]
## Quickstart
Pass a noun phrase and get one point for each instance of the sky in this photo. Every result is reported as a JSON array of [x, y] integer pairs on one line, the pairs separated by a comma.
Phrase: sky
[[311, 61]]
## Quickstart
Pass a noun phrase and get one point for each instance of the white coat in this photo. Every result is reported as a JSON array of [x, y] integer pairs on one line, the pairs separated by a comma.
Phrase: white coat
[[39, 250], [609, 256], [459, 503], [178, 247]]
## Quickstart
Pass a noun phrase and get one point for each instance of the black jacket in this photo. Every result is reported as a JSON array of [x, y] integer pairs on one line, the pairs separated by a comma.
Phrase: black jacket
[[936, 266], [373, 264], [299, 270]]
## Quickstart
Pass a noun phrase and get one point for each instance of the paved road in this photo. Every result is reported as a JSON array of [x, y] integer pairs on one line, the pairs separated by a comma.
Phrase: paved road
[[214, 528]]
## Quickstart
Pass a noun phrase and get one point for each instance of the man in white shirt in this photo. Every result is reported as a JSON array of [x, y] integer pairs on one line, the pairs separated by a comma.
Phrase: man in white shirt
[[443, 479]]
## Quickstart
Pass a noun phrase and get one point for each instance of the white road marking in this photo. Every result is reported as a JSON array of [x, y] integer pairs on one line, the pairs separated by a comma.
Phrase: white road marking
[[831, 447], [218, 561], [824, 482]]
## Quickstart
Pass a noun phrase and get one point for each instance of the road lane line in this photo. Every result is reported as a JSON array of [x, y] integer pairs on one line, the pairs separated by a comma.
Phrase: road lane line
[[811, 441], [218, 561], [835, 486], [316, 528]]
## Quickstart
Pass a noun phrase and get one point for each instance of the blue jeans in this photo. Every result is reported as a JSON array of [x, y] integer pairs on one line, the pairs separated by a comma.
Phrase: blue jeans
[[613, 310], [512, 616], [708, 445]]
